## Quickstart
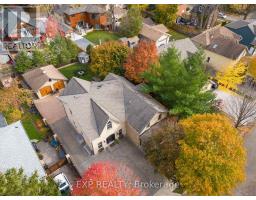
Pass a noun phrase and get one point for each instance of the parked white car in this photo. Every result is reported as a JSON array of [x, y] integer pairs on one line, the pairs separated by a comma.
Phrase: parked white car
[[222, 15], [63, 183]]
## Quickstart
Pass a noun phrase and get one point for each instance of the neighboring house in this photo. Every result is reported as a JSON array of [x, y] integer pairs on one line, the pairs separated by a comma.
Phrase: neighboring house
[[17, 25], [184, 46], [45, 80], [16, 151], [86, 16], [102, 112], [156, 33], [247, 30], [221, 47], [6, 67]]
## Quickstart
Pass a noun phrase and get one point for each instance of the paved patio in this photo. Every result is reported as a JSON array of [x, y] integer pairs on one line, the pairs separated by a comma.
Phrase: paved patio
[[50, 155]]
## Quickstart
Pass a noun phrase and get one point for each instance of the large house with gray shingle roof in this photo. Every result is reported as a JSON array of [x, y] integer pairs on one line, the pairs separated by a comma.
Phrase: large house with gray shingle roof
[[102, 112]]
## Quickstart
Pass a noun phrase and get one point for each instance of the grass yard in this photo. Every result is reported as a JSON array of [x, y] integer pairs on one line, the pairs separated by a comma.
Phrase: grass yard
[[175, 35], [104, 36], [71, 71], [33, 125]]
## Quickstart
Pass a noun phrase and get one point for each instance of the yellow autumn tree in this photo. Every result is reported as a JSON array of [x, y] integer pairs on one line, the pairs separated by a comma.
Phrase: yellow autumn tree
[[232, 76], [212, 156], [108, 57], [252, 67], [11, 101]]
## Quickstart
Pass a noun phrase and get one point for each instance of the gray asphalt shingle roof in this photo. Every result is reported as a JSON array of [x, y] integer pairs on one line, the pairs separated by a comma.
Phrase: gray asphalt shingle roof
[[115, 96], [185, 47], [16, 151]]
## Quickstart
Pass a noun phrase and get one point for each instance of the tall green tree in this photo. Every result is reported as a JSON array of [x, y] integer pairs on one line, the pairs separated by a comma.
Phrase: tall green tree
[[23, 62], [62, 51], [212, 156], [14, 183], [178, 84], [166, 14], [131, 24], [38, 58], [108, 57]]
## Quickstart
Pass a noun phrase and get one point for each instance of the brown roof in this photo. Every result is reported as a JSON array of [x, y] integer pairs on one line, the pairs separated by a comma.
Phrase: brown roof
[[36, 78], [220, 40], [206, 37], [153, 32], [226, 47]]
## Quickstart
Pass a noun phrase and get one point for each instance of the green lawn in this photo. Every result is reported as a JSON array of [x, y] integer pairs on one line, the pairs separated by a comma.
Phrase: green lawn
[[175, 35], [30, 122], [104, 36], [71, 71]]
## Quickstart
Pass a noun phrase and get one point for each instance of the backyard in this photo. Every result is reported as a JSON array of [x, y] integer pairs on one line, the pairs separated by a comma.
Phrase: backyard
[[175, 35], [103, 36], [33, 125], [72, 71]]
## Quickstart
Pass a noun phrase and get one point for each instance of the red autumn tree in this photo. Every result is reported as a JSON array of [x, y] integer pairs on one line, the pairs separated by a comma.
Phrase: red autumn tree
[[107, 179], [52, 27], [139, 60]]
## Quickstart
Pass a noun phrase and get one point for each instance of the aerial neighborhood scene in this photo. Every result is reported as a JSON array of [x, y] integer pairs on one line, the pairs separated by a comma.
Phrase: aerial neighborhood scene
[[127, 99]]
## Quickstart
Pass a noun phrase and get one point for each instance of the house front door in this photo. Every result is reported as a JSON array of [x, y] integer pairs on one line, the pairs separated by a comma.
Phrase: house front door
[[111, 138]]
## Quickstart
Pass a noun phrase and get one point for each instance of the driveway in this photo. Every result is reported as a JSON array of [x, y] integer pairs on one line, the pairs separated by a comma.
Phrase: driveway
[[50, 155], [248, 188], [125, 153]]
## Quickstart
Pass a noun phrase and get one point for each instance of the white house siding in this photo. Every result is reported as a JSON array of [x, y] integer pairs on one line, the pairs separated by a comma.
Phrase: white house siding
[[219, 62], [116, 126], [132, 134], [155, 119]]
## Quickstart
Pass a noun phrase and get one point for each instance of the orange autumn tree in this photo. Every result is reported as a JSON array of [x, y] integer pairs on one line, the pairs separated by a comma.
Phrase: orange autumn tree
[[107, 179], [139, 60], [212, 156]]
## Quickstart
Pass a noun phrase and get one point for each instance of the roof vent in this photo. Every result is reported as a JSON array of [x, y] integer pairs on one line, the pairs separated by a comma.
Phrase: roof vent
[[99, 86], [44, 72]]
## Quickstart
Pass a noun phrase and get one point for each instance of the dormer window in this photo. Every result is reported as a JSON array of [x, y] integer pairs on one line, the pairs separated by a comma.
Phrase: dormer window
[[109, 125]]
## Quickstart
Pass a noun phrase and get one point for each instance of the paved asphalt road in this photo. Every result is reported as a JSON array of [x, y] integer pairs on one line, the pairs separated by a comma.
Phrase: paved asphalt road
[[249, 186]]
